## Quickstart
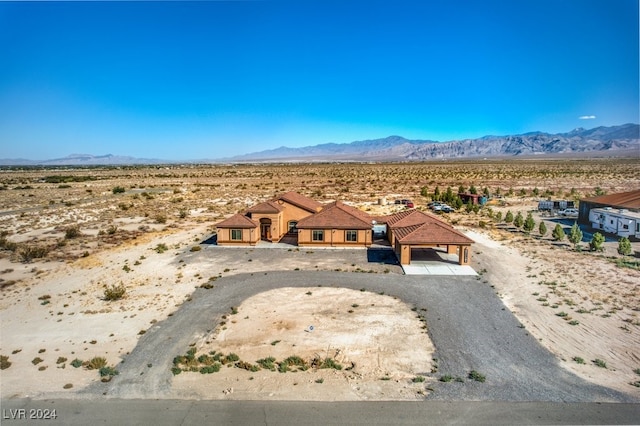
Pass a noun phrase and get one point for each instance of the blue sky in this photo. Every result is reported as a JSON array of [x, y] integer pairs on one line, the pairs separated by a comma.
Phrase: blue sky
[[194, 80]]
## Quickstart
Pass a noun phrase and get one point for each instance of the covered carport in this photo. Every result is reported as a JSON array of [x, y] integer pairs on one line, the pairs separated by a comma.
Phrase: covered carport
[[414, 235]]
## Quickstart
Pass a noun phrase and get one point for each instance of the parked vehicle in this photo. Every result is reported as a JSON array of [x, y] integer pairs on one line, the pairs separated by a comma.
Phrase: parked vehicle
[[409, 205], [569, 212], [446, 209]]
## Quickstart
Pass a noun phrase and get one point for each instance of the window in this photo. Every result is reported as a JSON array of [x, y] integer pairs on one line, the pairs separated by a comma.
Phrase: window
[[317, 235], [351, 236], [293, 226], [236, 234]]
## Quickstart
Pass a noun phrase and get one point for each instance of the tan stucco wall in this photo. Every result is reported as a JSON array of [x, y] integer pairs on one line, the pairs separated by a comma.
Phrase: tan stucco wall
[[334, 237], [249, 237]]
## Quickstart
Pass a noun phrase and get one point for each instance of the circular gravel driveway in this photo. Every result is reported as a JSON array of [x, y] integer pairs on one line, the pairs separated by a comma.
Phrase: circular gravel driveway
[[468, 324]]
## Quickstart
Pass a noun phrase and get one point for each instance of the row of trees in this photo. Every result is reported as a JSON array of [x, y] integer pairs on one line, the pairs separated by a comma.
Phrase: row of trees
[[575, 235]]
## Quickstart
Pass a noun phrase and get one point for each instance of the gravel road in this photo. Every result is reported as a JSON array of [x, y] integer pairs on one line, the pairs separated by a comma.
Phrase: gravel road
[[468, 324]]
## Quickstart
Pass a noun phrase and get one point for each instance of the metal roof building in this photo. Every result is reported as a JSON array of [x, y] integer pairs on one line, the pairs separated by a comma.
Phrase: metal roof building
[[623, 200]]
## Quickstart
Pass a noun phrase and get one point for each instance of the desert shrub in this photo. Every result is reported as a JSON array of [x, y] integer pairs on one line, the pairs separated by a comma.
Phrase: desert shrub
[[597, 241], [231, 358], [600, 363], [446, 378], [418, 379], [61, 359], [196, 248], [176, 370], [578, 360], [558, 233], [624, 246], [118, 190], [112, 230], [209, 369], [4, 362], [115, 292], [477, 376], [267, 363], [107, 371], [72, 232], [330, 363], [161, 248], [247, 366], [76, 363], [95, 363], [161, 218], [29, 252], [37, 360]]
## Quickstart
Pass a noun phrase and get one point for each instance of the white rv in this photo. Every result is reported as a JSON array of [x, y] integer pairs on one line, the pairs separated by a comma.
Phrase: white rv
[[622, 223]]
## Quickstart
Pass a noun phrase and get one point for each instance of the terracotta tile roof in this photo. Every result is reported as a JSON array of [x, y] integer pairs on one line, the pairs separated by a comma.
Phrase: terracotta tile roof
[[436, 232], [412, 217], [337, 215], [626, 200], [301, 201], [266, 207], [237, 221]]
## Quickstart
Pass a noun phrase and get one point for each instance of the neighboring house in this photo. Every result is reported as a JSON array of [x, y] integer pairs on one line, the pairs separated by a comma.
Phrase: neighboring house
[[311, 224]]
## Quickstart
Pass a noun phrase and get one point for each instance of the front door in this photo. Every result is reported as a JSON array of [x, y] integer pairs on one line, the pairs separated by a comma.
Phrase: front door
[[265, 229]]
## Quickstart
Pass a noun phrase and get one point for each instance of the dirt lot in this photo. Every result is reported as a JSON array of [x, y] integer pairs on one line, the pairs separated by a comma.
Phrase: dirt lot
[[53, 311]]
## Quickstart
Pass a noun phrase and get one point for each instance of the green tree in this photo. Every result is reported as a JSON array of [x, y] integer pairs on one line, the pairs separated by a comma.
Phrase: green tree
[[436, 194], [596, 242], [575, 236], [462, 189], [118, 190], [535, 191], [449, 196], [424, 191], [457, 202], [485, 191], [624, 246], [519, 220], [498, 217], [529, 223], [469, 206], [509, 217], [558, 233], [473, 190], [498, 191], [542, 229]]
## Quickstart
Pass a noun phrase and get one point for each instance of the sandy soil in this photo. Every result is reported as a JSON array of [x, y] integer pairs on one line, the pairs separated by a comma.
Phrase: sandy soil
[[371, 336], [540, 282]]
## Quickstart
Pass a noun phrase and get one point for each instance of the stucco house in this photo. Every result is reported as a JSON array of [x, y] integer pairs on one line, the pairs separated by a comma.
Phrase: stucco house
[[308, 223], [268, 221]]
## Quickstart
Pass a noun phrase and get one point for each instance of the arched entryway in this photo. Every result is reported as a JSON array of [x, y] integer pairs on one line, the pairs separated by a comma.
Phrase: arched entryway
[[265, 229]]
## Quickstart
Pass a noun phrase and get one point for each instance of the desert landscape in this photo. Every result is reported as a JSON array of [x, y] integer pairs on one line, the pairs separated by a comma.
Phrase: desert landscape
[[73, 238]]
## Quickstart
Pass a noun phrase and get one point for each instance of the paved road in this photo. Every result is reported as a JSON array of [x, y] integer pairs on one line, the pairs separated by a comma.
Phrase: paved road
[[173, 412], [468, 324]]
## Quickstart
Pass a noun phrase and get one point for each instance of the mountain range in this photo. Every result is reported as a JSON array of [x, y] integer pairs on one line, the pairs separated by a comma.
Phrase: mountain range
[[622, 140]]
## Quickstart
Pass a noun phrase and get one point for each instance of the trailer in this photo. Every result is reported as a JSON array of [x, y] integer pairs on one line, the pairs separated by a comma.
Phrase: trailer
[[550, 205], [620, 222]]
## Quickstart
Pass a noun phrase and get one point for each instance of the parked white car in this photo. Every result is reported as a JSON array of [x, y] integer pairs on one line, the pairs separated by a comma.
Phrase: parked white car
[[569, 212]]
